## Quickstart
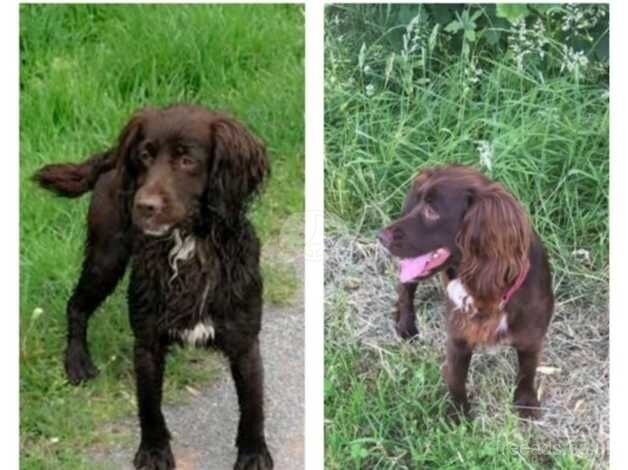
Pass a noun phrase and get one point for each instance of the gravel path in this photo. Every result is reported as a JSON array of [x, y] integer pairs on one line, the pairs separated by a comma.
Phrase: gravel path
[[204, 429]]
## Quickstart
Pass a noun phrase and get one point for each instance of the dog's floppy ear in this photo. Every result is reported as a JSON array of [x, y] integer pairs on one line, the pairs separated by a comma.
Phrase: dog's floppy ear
[[238, 167], [494, 240], [127, 140]]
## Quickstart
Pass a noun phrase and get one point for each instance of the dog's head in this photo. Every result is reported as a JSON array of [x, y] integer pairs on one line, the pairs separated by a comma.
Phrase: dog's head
[[455, 216], [186, 167]]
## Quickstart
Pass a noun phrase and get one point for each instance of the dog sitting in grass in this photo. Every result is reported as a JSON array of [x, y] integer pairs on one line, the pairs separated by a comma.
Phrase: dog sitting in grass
[[457, 222]]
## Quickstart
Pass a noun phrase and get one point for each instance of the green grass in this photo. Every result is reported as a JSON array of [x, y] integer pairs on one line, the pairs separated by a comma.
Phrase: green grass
[[387, 118], [84, 70], [549, 136], [387, 411]]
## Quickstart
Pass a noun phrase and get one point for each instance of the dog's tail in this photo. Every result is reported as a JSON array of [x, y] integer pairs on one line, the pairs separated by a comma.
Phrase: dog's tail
[[74, 179]]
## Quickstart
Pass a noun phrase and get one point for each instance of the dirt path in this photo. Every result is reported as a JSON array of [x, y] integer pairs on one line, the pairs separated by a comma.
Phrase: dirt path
[[204, 429]]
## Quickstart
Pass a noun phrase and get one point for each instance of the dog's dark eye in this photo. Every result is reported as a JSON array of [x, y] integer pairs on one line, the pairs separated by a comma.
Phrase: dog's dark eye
[[145, 157], [180, 150], [187, 163]]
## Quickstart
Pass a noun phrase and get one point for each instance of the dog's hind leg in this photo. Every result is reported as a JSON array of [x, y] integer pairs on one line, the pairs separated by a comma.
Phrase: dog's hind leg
[[248, 373], [106, 256]]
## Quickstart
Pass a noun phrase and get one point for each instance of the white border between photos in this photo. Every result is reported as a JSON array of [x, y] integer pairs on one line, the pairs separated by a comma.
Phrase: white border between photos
[[314, 232]]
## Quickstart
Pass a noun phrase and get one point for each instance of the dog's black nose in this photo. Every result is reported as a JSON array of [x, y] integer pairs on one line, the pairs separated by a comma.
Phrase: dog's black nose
[[149, 205], [385, 237]]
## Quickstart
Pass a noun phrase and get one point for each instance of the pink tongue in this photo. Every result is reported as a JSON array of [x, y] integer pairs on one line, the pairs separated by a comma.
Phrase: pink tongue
[[414, 267]]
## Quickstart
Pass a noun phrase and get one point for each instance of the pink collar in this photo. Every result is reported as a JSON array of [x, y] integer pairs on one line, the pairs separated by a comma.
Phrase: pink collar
[[515, 287]]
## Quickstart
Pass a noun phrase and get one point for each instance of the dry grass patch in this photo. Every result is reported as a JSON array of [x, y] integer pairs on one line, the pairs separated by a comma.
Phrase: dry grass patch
[[573, 376]]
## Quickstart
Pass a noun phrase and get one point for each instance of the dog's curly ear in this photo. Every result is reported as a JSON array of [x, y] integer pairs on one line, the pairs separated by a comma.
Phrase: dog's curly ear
[[494, 240], [238, 167]]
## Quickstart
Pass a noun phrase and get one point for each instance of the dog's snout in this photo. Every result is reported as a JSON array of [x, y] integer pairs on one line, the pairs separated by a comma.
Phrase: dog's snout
[[149, 205], [385, 237]]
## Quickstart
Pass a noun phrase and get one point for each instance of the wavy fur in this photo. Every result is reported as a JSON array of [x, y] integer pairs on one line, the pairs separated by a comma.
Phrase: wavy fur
[[494, 239], [210, 283]]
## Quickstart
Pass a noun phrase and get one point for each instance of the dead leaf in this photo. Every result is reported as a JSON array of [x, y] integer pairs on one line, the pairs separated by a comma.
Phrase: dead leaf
[[579, 404], [192, 391]]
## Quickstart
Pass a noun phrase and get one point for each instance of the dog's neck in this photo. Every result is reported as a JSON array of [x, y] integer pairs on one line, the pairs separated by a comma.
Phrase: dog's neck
[[451, 274]]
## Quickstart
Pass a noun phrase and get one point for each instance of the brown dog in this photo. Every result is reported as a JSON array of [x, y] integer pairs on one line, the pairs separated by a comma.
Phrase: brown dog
[[495, 269], [171, 198]]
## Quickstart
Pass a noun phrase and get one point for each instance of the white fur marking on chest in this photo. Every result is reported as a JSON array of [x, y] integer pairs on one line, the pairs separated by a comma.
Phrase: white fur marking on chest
[[199, 335], [502, 328], [460, 297], [182, 250]]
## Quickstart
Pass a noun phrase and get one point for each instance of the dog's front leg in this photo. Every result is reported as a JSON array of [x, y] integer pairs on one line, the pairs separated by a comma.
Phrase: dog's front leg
[[154, 452], [248, 376], [526, 400], [105, 261], [455, 373], [405, 317]]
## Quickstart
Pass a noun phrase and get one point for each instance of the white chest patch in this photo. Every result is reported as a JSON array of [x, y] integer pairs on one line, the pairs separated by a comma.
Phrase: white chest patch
[[502, 338], [182, 250], [200, 335], [502, 328], [459, 296]]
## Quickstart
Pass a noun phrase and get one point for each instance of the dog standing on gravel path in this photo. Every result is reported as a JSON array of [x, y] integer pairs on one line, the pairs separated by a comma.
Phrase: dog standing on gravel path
[[172, 197], [494, 267]]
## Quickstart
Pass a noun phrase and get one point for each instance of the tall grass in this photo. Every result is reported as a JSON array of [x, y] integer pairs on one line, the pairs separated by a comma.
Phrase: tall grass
[[544, 137], [84, 70]]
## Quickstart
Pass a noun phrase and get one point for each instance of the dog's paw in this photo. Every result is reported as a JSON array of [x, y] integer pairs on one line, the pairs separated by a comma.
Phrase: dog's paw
[[79, 366], [255, 460], [406, 329], [528, 405], [457, 413], [154, 458]]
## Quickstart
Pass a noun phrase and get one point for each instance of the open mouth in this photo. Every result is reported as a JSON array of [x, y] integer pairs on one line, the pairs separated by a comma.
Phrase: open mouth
[[421, 266]]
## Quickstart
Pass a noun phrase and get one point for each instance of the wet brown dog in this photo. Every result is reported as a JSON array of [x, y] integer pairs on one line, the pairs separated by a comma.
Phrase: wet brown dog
[[495, 269], [172, 197]]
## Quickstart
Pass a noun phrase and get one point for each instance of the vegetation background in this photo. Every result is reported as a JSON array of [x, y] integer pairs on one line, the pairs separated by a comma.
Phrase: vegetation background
[[84, 70], [521, 92]]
